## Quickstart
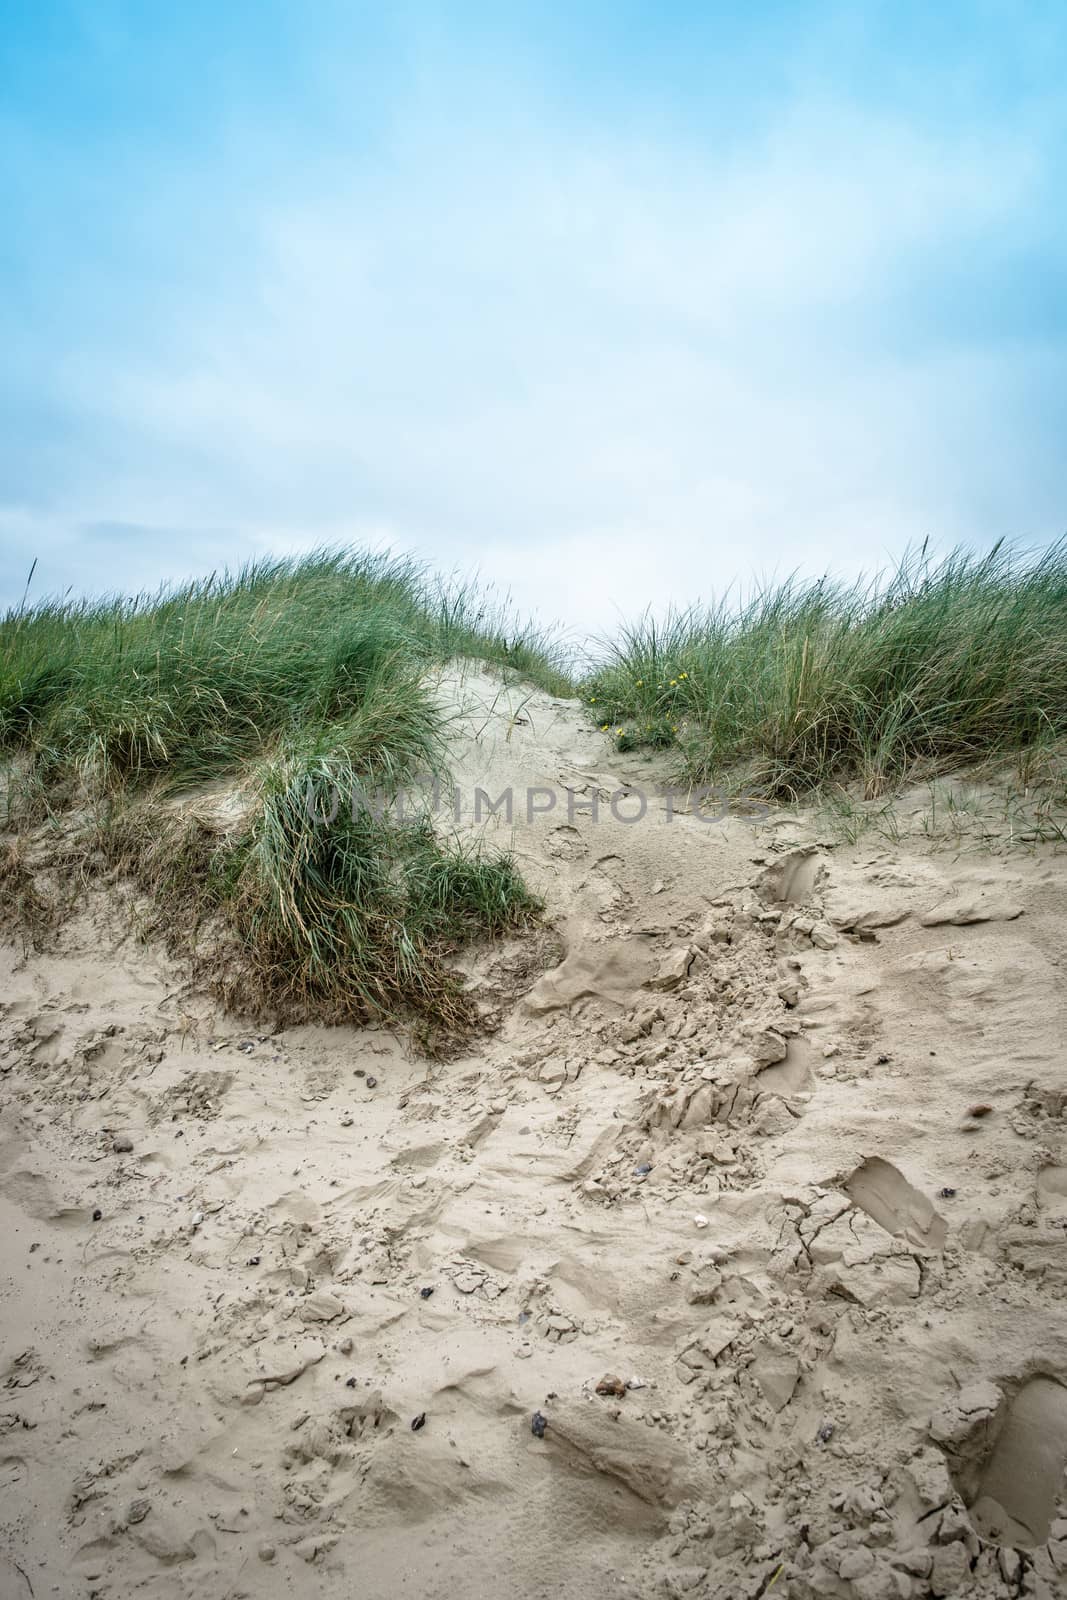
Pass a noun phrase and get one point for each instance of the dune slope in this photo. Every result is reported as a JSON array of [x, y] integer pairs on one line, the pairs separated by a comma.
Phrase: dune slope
[[730, 1260]]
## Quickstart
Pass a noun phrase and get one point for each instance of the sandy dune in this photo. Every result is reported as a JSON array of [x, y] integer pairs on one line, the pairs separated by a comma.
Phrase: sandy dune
[[717, 1145]]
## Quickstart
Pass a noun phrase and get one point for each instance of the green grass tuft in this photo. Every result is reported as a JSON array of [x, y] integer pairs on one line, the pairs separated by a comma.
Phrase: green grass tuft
[[290, 678], [189, 683], [806, 685]]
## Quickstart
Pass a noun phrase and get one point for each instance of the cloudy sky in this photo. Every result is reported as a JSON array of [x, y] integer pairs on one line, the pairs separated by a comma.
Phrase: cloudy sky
[[615, 303]]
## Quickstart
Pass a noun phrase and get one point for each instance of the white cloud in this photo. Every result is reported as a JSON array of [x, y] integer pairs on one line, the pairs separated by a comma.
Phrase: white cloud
[[608, 372]]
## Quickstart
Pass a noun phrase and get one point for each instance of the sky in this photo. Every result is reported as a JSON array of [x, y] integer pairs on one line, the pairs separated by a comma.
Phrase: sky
[[619, 305]]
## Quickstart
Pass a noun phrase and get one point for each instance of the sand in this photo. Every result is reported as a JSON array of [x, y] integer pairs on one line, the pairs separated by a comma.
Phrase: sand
[[279, 1306]]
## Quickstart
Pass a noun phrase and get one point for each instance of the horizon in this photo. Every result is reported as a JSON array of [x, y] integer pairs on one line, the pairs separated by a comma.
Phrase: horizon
[[617, 311]]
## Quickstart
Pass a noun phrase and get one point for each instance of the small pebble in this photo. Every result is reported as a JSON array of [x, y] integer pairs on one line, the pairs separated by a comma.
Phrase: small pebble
[[538, 1424], [122, 1145], [97, 1214], [825, 1433], [266, 1552], [372, 1083], [350, 1383], [424, 1294], [418, 1422], [946, 1193], [253, 1261], [639, 1172], [610, 1384]]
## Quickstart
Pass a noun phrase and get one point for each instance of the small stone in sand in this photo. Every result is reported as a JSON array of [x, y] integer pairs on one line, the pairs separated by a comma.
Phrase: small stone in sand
[[253, 1261], [418, 1422], [322, 1306], [122, 1144], [610, 1384], [825, 1433], [97, 1214], [980, 1111], [138, 1510], [372, 1083], [266, 1552], [538, 1424], [424, 1294]]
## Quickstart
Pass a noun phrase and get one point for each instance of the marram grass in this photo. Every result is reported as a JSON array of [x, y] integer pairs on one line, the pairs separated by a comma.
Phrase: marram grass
[[289, 679], [806, 685], [284, 916], [311, 675], [189, 683]]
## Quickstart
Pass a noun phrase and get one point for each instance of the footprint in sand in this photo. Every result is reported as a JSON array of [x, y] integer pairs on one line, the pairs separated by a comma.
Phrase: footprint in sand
[[566, 844], [1017, 1494], [605, 889], [792, 879], [883, 1192]]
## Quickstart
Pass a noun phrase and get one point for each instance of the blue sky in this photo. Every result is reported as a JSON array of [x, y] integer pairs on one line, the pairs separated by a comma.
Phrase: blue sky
[[617, 304]]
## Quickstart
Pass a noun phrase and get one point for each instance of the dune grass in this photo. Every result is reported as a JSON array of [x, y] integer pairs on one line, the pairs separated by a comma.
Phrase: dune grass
[[289, 678], [810, 684], [296, 681], [296, 916], [189, 682]]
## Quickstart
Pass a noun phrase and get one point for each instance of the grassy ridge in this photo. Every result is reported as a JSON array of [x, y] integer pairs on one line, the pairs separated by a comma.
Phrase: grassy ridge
[[813, 683], [192, 681], [298, 679], [305, 678]]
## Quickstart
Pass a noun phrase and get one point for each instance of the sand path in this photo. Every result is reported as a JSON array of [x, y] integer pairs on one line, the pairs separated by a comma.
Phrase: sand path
[[715, 1145]]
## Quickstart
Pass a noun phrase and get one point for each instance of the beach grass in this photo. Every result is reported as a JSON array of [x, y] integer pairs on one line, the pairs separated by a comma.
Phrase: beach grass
[[294, 680], [803, 685]]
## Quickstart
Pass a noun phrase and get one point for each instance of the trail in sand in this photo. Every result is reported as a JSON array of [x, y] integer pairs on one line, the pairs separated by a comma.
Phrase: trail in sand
[[717, 1147]]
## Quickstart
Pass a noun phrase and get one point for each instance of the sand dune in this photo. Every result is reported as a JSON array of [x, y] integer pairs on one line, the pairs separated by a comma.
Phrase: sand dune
[[769, 1129]]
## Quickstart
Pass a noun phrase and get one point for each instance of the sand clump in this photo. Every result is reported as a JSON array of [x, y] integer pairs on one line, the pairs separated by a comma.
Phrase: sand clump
[[281, 1309]]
